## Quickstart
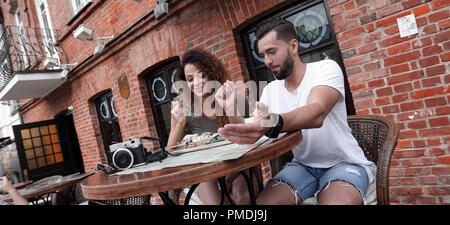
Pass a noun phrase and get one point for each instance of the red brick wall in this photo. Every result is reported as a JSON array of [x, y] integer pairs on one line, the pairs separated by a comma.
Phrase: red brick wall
[[405, 79]]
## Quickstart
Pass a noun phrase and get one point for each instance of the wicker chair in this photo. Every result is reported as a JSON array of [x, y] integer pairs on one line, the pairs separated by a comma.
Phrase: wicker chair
[[377, 136], [139, 200]]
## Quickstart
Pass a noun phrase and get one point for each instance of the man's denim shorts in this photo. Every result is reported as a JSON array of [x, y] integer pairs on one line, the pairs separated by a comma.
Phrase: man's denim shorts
[[308, 181]]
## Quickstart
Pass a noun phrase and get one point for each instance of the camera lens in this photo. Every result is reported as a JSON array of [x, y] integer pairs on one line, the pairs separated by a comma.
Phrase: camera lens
[[123, 159]]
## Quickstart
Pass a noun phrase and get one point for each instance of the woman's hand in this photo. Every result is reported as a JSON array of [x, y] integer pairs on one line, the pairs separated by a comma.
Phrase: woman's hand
[[226, 97], [177, 113]]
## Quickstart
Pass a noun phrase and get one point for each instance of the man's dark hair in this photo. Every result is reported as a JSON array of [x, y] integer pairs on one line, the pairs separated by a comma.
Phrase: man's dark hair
[[285, 30]]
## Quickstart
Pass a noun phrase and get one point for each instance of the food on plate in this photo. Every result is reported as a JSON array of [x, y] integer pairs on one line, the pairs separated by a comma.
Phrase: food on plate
[[195, 140]]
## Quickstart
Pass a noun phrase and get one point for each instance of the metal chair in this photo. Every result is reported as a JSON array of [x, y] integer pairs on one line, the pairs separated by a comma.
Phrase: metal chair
[[377, 136]]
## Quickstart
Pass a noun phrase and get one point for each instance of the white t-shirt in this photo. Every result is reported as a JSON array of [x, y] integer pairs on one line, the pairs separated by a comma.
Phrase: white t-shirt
[[332, 143]]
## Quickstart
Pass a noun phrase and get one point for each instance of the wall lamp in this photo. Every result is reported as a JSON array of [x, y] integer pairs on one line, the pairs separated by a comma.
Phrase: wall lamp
[[84, 33]]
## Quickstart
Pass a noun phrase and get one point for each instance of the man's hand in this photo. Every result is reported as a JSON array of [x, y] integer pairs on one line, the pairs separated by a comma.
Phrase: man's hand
[[248, 133]]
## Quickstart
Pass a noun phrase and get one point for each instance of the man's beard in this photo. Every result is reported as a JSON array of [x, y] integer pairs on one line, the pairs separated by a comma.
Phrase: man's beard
[[286, 68]]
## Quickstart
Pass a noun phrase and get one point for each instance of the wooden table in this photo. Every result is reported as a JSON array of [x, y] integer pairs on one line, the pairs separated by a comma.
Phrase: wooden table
[[51, 185], [111, 187], [22, 184]]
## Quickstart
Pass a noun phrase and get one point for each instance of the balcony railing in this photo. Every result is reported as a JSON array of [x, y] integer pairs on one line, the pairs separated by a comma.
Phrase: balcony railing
[[24, 49]]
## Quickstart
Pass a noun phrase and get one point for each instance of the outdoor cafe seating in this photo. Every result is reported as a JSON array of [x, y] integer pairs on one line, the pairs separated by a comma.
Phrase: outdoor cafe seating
[[376, 135]]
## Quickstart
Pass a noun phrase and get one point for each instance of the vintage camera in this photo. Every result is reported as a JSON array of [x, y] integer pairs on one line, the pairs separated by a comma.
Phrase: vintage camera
[[128, 154], [132, 153]]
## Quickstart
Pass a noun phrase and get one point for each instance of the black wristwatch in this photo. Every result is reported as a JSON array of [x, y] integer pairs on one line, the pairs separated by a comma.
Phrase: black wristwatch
[[275, 130]]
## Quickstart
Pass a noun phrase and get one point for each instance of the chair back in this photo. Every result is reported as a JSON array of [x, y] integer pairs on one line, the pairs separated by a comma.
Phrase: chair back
[[138, 200], [377, 136]]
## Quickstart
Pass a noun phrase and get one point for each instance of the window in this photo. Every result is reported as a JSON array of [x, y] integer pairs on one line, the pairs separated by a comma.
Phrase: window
[[46, 28], [78, 5], [314, 30], [42, 146], [317, 41], [159, 83], [108, 119], [50, 147], [22, 39]]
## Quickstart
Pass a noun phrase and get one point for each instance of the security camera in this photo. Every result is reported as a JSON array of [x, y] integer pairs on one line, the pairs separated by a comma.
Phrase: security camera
[[50, 62], [83, 33]]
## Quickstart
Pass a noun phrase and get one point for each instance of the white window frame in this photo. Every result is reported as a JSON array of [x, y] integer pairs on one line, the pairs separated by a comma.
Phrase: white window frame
[[78, 5], [21, 37], [46, 38]]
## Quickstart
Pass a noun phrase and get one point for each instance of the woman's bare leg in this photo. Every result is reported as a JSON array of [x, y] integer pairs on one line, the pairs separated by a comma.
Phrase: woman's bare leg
[[210, 194], [239, 192]]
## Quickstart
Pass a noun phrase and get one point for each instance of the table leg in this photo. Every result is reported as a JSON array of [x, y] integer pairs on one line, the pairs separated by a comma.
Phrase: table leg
[[46, 198], [165, 198], [189, 194], [72, 189], [248, 180], [250, 186], [224, 191]]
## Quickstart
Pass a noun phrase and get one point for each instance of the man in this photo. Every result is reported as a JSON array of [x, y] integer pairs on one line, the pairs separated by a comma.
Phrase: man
[[328, 163]]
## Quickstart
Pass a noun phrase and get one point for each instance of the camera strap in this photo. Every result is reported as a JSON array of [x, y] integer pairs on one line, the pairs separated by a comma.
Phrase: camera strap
[[158, 155]]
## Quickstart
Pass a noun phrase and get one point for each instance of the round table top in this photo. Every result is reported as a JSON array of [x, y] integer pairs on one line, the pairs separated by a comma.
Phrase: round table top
[[107, 187], [49, 184]]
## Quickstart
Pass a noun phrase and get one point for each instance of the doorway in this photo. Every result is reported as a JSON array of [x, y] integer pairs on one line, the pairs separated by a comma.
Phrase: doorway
[[65, 119]]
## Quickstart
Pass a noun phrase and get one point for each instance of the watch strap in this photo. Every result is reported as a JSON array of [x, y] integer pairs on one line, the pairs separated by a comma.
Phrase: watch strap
[[274, 131]]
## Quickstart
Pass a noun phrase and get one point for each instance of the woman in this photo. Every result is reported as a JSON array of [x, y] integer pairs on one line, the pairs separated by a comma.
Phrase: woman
[[201, 70]]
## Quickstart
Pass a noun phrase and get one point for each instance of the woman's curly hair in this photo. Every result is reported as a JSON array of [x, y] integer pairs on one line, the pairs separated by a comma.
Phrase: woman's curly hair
[[205, 62], [210, 66]]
